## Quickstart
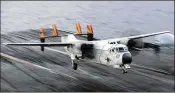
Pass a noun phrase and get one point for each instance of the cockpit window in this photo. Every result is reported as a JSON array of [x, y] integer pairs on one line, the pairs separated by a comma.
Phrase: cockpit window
[[126, 49], [121, 49], [112, 50]]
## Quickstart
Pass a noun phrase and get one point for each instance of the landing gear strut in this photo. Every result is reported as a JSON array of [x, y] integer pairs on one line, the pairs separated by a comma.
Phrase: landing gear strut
[[80, 57], [74, 65]]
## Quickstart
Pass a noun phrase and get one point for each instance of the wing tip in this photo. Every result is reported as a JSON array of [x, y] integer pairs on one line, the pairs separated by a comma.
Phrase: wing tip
[[166, 31], [5, 44]]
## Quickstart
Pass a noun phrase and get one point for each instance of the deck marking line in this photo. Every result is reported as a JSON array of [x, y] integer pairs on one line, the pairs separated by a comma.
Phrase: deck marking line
[[85, 72], [26, 62], [57, 51], [154, 77]]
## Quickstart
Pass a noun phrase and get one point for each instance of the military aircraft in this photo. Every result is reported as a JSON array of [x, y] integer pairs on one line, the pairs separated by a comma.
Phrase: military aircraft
[[115, 52]]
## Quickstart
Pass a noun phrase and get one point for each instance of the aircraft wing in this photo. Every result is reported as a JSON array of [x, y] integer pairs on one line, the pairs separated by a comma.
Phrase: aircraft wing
[[147, 35], [39, 44]]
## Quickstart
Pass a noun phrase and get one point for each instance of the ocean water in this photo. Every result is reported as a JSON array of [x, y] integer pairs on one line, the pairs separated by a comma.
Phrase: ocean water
[[109, 18]]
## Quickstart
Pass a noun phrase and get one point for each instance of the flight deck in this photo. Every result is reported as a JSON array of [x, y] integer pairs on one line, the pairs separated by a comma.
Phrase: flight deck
[[25, 68]]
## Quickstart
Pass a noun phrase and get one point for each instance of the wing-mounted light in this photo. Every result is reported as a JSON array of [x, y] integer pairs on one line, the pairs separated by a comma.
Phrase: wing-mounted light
[[42, 38], [54, 30], [89, 32], [78, 28]]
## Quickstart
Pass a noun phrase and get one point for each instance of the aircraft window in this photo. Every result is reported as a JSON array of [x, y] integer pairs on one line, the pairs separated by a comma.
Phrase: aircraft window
[[121, 49], [112, 50], [126, 49], [112, 43], [116, 49]]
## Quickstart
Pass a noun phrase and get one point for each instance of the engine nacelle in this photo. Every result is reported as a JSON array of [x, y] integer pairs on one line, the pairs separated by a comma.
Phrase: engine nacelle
[[87, 50], [78, 45], [82, 50], [123, 41]]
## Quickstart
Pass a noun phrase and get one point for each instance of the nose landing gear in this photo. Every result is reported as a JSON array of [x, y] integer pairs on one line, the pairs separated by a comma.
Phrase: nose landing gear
[[125, 68]]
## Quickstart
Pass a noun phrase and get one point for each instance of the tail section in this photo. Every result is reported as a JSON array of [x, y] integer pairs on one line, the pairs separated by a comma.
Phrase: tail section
[[67, 37], [42, 38], [89, 32], [78, 28], [54, 30]]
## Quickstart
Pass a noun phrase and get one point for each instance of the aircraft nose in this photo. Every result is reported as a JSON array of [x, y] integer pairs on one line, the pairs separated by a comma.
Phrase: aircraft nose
[[126, 58]]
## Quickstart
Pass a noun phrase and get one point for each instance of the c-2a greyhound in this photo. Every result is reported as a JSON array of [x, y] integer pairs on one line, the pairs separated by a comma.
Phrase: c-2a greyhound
[[115, 52]]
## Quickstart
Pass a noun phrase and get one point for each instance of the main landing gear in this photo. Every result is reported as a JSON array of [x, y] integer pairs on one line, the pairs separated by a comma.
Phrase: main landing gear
[[75, 62], [74, 65]]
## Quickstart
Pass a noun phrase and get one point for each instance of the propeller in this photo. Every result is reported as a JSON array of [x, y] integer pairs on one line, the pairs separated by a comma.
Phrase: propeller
[[165, 40], [135, 46], [153, 46]]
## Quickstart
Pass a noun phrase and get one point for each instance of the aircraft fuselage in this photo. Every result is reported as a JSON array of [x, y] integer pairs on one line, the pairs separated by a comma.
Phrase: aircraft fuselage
[[99, 52]]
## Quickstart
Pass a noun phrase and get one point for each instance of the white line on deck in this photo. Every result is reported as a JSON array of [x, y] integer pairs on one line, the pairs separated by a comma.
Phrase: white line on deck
[[29, 63], [154, 77], [57, 51], [85, 72], [144, 67]]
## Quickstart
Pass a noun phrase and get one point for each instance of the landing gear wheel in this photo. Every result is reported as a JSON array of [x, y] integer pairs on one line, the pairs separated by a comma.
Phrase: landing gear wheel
[[124, 71], [74, 65]]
